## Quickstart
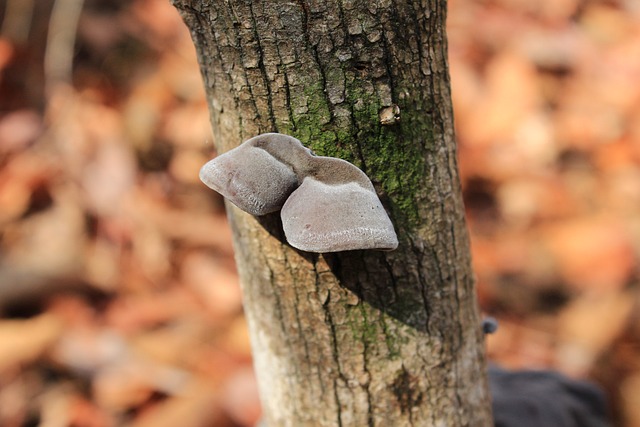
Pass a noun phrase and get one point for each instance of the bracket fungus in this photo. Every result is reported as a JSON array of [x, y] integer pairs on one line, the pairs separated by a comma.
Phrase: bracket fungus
[[326, 204], [251, 178]]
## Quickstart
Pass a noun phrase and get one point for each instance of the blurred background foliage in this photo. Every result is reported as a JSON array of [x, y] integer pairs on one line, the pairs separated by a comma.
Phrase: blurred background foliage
[[119, 300]]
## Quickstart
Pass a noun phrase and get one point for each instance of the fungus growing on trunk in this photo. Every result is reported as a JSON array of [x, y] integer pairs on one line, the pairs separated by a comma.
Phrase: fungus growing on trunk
[[251, 178], [327, 204]]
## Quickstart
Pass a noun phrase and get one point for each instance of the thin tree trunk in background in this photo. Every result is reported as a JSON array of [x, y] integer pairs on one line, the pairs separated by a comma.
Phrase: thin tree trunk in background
[[360, 338]]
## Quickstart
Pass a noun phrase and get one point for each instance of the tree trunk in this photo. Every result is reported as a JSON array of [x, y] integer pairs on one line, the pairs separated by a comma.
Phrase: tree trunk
[[361, 338]]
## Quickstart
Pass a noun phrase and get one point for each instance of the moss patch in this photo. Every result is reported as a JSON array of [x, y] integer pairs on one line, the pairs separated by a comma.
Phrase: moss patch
[[392, 156], [370, 325]]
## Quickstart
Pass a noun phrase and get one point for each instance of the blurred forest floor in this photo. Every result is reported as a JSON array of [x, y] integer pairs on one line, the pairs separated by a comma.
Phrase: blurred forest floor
[[119, 301]]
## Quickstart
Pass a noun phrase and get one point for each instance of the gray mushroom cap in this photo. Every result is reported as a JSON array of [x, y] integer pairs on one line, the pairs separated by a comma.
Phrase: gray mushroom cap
[[250, 178], [320, 217], [328, 204]]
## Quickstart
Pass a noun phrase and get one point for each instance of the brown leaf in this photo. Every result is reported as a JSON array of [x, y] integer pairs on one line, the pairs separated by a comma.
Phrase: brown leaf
[[196, 406], [18, 129], [592, 252], [23, 341], [218, 287], [630, 390], [589, 326], [6, 53], [240, 398]]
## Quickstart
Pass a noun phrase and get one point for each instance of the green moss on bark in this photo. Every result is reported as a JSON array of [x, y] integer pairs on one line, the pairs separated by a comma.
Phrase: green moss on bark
[[392, 156]]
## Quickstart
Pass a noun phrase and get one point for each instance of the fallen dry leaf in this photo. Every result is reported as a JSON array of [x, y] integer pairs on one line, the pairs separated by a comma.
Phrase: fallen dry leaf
[[197, 406], [630, 391], [592, 253], [216, 286], [23, 341], [18, 129], [588, 327]]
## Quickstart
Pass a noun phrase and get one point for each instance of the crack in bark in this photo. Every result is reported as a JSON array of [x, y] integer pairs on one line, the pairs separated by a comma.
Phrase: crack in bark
[[336, 358], [263, 70], [287, 90], [459, 344], [424, 287], [387, 55], [404, 388], [300, 328], [354, 128], [321, 379], [313, 48], [238, 46], [379, 286], [367, 386], [279, 315], [215, 49]]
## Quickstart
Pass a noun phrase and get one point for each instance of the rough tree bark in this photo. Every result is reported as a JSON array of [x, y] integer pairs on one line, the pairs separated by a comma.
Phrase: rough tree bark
[[364, 337]]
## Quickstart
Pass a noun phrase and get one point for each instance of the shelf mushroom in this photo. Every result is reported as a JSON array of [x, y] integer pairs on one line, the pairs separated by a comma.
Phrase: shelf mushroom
[[326, 204], [251, 178]]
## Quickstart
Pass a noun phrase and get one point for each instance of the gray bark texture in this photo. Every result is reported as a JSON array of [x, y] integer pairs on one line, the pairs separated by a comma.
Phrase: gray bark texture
[[360, 338]]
